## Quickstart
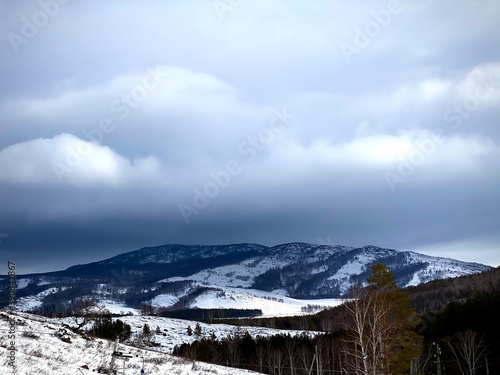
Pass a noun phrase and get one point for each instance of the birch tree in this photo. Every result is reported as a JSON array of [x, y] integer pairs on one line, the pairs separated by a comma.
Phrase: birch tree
[[468, 350], [381, 339]]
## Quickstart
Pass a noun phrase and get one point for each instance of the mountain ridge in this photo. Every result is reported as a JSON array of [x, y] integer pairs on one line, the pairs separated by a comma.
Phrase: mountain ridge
[[298, 270]]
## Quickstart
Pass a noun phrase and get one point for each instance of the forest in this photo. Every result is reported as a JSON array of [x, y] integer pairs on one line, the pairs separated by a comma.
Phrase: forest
[[376, 333]]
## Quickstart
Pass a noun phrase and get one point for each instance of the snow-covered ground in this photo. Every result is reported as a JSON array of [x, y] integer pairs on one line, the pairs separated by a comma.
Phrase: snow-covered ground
[[168, 332], [31, 302], [272, 304], [243, 274], [235, 275], [117, 308], [44, 347], [442, 267], [23, 281]]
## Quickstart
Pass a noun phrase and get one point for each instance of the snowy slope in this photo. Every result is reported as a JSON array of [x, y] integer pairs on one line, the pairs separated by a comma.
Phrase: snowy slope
[[441, 268], [168, 332], [174, 331], [305, 270], [30, 302], [40, 350], [272, 304]]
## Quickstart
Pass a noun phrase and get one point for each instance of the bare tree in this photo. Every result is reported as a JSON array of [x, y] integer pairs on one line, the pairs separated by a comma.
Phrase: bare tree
[[305, 357], [290, 351], [147, 309], [233, 351], [380, 341], [469, 350], [326, 324], [359, 343], [419, 365], [277, 361], [85, 311], [211, 315], [304, 322], [260, 355]]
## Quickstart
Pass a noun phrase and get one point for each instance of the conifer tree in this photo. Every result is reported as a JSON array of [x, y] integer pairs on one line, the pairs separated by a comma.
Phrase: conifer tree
[[146, 330], [197, 329], [382, 327]]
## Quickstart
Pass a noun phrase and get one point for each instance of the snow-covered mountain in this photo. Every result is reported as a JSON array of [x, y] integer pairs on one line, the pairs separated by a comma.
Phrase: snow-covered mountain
[[322, 271], [182, 276]]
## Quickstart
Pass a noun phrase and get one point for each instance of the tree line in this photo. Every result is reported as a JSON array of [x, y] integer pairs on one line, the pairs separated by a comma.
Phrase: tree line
[[380, 338], [378, 333]]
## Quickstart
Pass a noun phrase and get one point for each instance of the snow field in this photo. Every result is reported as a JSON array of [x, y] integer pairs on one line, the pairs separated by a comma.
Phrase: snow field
[[45, 347]]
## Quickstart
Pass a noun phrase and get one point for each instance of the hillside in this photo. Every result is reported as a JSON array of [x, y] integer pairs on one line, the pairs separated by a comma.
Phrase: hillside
[[432, 296], [45, 347], [427, 298], [182, 276]]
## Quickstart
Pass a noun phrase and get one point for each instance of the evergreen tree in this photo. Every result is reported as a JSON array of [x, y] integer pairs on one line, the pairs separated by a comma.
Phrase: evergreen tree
[[105, 327], [197, 330], [382, 328], [401, 343], [146, 330]]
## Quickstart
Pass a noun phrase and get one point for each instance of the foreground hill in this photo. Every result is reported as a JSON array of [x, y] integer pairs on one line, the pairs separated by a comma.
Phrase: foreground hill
[[45, 347], [177, 275]]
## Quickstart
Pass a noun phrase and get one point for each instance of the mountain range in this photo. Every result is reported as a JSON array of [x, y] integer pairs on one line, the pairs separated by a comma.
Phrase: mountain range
[[169, 274]]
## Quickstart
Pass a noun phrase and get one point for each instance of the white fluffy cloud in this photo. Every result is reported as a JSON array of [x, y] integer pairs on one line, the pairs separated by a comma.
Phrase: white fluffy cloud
[[68, 160]]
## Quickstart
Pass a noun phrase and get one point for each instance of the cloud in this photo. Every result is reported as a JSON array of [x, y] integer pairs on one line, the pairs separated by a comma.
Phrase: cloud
[[482, 83], [137, 120], [68, 160]]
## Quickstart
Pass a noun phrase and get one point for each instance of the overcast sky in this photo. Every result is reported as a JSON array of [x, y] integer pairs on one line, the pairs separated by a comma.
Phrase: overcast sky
[[126, 124]]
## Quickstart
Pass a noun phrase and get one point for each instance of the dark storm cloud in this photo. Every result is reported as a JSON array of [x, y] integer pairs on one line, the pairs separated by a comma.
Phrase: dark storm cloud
[[126, 126]]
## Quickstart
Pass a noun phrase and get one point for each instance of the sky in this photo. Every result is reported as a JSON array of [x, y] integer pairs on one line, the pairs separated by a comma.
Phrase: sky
[[126, 124]]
